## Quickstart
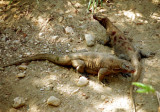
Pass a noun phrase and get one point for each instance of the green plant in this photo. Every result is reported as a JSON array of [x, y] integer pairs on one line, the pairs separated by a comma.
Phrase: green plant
[[93, 4], [144, 88], [10, 2]]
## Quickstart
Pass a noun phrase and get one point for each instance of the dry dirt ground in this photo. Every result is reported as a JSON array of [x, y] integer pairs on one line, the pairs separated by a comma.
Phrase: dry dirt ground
[[28, 28]]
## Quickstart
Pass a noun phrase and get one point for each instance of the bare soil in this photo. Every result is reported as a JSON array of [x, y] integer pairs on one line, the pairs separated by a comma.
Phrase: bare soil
[[28, 28]]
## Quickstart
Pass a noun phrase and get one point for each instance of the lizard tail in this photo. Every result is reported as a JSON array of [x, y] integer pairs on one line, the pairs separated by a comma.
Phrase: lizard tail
[[57, 59], [135, 77]]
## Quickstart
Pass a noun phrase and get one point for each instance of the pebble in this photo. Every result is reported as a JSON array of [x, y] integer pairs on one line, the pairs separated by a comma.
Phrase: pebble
[[22, 67], [78, 5], [18, 102], [90, 40], [20, 75], [41, 89], [69, 30], [52, 100], [28, 53], [83, 81], [70, 16], [67, 51], [16, 42], [60, 19], [103, 97]]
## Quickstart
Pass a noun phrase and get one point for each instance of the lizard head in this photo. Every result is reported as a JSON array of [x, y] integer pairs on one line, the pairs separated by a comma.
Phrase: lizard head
[[127, 67], [102, 19]]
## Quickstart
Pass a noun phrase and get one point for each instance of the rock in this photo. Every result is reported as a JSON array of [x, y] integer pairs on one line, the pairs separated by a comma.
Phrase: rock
[[67, 51], [70, 16], [28, 53], [90, 40], [18, 102], [16, 42], [78, 5], [41, 89], [52, 100], [83, 81], [22, 67], [69, 30], [60, 19], [103, 97], [20, 75]]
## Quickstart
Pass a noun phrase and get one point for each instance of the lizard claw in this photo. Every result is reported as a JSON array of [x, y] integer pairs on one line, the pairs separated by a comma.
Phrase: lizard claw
[[126, 75]]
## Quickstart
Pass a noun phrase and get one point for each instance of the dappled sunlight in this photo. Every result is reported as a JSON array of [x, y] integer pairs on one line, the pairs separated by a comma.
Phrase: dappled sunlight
[[45, 81], [98, 87], [155, 16], [67, 89], [33, 108], [130, 14], [4, 2], [155, 62], [119, 102], [156, 2], [41, 28]]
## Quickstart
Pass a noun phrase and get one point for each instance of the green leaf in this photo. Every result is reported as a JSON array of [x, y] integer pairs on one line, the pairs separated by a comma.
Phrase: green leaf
[[101, 3], [142, 91], [10, 2], [89, 4], [144, 88], [139, 84]]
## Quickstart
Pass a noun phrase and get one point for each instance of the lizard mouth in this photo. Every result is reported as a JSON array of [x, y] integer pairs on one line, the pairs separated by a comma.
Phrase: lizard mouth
[[132, 71]]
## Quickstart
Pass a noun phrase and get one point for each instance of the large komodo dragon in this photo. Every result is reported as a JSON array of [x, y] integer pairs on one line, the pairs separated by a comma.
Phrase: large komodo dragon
[[91, 62], [123, 48]]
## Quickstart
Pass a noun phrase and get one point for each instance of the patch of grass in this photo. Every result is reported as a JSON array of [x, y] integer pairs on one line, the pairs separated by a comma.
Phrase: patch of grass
[[93, 4]]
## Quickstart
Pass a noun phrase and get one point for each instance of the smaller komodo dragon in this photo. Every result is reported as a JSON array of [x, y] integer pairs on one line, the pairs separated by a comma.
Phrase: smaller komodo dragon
[[123, 48], [90, 62]]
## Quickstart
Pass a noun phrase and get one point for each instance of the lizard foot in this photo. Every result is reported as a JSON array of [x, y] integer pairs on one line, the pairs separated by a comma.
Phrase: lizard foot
[[126, 75]]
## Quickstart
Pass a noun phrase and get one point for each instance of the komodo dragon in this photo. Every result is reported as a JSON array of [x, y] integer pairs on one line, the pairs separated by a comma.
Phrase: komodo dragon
[[123, 48], [91, 62]]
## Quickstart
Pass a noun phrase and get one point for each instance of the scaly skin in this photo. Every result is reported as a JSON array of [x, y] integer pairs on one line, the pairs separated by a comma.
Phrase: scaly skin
[[123, 49], [92, 62]]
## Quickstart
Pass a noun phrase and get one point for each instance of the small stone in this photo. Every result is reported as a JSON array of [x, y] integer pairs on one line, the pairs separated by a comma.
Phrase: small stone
[[52, 100], [16, 42], [60, 19], [69, 30], [78, 5], [103, 97], [22, 67], [83, 81], [20, 75], [70, 16], [27, 53], [18, 102], [42, 89], [90, 40], [67, 51]]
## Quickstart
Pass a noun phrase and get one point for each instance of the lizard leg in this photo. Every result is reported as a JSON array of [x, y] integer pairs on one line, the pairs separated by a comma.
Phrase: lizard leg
[[146, 55], [79, 65], [102, 72]]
